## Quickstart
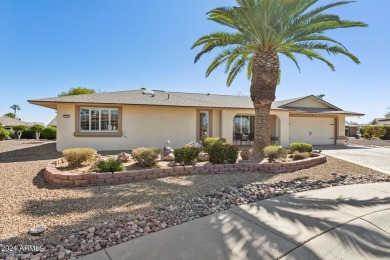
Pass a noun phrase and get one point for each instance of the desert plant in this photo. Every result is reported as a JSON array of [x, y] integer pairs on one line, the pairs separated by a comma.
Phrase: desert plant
[[37, 129], [274, 153], [77, 156], [186, 155], [208, 142], [109, 165], [301, 147], [49, 132], [300, 156], [19, 129], [146, 156], [4, 134], [231, 153]]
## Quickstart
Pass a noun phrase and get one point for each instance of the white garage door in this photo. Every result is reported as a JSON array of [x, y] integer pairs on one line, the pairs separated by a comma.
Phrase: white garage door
[[316, 131]]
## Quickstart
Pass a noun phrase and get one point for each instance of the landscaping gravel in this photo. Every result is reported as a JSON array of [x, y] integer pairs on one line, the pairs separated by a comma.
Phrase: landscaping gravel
[[82, 220], [366, 142]]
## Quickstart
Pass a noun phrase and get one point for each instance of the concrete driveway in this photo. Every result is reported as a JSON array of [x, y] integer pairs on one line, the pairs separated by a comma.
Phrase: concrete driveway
[[377, 158]]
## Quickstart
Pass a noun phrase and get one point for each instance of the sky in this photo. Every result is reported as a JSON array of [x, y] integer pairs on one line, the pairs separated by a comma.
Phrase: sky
[[49, 46]]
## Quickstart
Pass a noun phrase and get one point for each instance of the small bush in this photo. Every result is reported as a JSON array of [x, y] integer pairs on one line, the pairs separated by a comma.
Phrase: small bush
[[274, 152], [4, 134], [109, 165], [231, 153], [208, 142], [49, 132], [301, 147], [366, 136], [146, 156], [28, 134], [186, 155], [300, 156], [77, 156]]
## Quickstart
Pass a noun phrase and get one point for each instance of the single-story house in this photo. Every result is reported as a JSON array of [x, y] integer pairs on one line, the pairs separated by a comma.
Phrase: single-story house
[[141, 118], [381, 121], [8, 122], [353, 129]]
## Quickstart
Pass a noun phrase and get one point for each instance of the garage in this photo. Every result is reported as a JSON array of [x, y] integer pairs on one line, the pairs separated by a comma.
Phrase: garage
[[312, 130]]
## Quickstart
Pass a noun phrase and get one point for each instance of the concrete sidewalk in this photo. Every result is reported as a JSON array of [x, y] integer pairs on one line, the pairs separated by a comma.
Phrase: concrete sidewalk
[[344, 222]]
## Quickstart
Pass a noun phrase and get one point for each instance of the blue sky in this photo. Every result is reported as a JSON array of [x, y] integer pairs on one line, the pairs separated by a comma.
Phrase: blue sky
[[47, 47]]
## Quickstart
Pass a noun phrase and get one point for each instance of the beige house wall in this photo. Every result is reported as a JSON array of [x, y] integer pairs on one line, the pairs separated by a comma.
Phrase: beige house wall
[[154, 125], [141, 126]]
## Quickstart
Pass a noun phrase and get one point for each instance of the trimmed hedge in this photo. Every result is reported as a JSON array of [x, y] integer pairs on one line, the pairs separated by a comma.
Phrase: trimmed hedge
[[301, 147], [186, 155], [222, 152], [208, 142], [109, 165], [4, 134], [49, 132]]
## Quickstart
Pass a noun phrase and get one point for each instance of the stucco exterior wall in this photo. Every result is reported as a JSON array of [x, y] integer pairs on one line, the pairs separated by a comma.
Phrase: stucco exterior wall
[[141, 126]]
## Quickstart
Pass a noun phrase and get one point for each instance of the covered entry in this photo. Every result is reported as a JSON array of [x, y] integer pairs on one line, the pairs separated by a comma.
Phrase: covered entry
[[313, 130]]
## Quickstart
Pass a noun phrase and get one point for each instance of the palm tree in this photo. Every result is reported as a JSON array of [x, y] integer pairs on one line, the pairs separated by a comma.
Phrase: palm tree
[[263, 29], [14, 108]]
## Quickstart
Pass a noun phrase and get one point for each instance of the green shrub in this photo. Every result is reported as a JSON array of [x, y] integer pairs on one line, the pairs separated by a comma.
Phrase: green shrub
[[49, 132], [4, 134], [208, 142], [77, 156], [274, 152], [346, 131], [38, 130], [28, 134], [186, 155], [146, 156], [366, 136], [231, 153], [109, 165], [300, 156], [221, 152], [217, 153], [301, 147]]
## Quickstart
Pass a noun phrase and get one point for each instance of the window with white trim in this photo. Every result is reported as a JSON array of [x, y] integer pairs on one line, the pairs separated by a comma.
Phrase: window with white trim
[[99, 119]]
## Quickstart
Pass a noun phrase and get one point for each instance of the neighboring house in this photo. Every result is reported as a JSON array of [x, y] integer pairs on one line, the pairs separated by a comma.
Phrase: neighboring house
[[8, 122], [381, 121], [30, 124], [353, 128], [53, 122], [129, 119]]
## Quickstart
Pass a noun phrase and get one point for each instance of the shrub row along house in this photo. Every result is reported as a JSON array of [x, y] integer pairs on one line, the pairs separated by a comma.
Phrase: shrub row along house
[[136, 118]]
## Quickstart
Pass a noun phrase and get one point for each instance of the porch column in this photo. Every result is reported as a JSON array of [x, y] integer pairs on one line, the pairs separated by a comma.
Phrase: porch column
[[227, 118], [284, 136], [340, 130]]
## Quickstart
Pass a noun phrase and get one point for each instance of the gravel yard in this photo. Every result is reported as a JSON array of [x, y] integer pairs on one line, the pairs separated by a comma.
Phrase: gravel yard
[[28, 201]]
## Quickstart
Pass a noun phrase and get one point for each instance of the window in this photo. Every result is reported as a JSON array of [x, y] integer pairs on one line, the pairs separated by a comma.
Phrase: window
[[244, 124], [99, 119]]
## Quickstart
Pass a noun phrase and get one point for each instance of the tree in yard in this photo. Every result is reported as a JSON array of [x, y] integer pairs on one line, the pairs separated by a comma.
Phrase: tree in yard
[[321, 96], [387, 115], [10, 115], [77, 91], [38, 130], [19, 129], [14, 108], [262, 30]]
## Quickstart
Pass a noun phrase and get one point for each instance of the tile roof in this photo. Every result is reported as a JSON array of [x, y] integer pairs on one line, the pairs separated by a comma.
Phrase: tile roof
[[162, 98], [9, 122]]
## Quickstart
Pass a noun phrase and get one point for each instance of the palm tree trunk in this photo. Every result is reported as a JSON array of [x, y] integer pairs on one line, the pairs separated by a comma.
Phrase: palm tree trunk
[[265, 72]]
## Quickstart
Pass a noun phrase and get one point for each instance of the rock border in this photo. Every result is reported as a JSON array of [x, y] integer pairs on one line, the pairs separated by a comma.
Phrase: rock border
[[58, 178]]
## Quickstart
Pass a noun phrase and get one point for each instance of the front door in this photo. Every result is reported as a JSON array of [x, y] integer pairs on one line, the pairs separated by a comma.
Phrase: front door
[[203, 125]]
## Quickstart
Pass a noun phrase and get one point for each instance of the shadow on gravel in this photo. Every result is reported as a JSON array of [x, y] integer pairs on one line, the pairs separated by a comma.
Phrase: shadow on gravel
[[34, 153]]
